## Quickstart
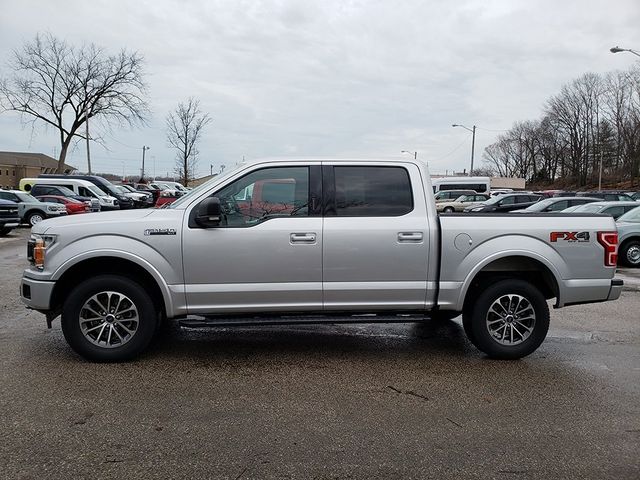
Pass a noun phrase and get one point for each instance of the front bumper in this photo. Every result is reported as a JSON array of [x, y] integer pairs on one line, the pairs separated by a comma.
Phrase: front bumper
[[36, 294]]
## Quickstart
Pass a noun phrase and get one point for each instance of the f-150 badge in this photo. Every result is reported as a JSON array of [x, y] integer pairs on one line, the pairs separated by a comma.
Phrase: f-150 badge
[[569, 236], [160, 231]]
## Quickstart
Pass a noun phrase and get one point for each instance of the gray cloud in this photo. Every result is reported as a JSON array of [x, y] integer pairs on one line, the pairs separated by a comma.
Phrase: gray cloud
[[362, 78]]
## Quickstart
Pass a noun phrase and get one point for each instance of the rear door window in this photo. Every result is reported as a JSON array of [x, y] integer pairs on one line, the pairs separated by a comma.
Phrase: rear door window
[[372, 191]]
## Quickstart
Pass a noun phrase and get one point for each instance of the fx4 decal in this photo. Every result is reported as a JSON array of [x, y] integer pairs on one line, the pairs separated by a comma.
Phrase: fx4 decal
[[569, 236]]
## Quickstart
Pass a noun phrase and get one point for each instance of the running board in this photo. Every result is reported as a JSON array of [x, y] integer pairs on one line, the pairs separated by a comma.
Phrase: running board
[[242, 321]]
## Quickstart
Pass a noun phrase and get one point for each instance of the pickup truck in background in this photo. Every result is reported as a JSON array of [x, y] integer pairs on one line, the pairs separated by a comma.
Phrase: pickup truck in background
[[285, 241]]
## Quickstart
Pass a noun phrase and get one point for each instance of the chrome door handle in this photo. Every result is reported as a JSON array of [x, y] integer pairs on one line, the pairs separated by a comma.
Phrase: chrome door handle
[[302, 238], [410, 237]]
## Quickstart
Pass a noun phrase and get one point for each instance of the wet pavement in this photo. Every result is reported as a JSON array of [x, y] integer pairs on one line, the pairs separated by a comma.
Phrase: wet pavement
[[325, 402]]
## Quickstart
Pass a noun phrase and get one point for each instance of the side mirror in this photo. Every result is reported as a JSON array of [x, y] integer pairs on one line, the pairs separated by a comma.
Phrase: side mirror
[[208, 214]]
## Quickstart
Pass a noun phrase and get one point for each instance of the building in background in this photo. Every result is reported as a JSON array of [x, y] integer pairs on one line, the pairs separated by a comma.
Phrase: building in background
[[17, 165]]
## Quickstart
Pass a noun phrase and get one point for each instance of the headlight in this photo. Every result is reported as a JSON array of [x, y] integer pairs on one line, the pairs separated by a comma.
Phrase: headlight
[[476, 209], [37, 247], [52, 208]]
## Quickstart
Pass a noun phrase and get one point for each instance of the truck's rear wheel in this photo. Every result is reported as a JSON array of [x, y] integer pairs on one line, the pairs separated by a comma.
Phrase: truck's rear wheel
[[509, 319], [108, 318]]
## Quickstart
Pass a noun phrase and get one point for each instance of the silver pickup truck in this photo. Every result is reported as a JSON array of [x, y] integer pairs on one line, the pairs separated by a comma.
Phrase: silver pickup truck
[[314, 241]]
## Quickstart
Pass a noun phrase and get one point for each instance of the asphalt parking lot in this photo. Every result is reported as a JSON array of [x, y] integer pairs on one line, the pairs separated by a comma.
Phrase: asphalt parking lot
[[323, 402]]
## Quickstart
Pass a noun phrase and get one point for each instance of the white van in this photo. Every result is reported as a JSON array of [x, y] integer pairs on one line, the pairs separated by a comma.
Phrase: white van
[[478, 184], [79, 187]]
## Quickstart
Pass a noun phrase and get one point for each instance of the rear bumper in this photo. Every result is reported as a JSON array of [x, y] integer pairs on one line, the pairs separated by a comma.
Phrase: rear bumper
[[581, 291]]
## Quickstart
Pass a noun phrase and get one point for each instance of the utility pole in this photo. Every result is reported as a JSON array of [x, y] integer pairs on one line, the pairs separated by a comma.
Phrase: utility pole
[[86, 125], [211, 169], [473, 142], [473, 148], [144, 149]]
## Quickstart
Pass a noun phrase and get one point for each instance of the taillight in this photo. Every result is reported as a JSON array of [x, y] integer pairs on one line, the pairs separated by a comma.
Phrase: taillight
[[609, 240]]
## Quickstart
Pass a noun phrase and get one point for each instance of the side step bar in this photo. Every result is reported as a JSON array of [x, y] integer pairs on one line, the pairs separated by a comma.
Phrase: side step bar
[[243, 321]]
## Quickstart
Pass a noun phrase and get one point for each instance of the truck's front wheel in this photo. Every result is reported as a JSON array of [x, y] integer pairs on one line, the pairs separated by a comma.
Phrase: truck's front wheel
[[108, 318], [509, 319]]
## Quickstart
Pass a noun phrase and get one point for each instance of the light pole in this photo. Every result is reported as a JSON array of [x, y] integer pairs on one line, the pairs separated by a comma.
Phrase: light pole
[[617, 49], [415, 154], [473, 143], [144, 150]]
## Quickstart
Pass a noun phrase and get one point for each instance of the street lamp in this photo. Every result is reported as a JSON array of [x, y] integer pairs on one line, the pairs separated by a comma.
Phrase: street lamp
[[617, 49], [415, 154], [473, 142]]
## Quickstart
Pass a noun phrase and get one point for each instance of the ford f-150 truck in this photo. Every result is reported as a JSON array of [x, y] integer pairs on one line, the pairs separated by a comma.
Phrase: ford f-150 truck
[[284, 241]]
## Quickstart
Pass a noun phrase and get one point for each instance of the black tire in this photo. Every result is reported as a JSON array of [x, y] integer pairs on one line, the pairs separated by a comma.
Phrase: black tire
[[4, 231], [449, 210], [534, 315], [34, 217], [129, 292], [629, 254]]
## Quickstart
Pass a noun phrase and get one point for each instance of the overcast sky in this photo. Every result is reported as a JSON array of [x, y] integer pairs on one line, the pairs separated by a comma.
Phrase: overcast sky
[[329, 78]]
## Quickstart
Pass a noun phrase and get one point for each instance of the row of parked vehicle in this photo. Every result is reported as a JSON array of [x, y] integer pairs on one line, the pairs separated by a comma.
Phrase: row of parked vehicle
[[49, 196], [624, 207]]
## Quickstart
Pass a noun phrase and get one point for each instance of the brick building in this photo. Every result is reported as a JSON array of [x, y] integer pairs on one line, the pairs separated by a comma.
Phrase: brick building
[[17, 165]]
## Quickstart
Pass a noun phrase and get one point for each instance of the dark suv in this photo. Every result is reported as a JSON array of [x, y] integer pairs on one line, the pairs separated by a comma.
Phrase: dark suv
[[505, 203], [101, 183]]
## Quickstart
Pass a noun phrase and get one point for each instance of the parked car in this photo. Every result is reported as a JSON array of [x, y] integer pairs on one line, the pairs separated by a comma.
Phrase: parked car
[[72, 206], [146, 188], [284, 236], [555, 204], [124, 202], [460, 203], [629, 238], [40, 190], [505, 203], [166, 197], [634, 195], [451, 195], [30, 209], [174, 185], [500, 191], [614, 209], [170, 190], [79, 187], [9, 216], [140, 199], [607, 196]]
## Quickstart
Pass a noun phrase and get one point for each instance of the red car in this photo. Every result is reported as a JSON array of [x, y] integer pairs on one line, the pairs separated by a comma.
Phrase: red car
[[73, 206]]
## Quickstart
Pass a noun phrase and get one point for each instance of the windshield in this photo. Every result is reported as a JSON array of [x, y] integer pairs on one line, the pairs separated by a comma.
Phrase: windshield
[[495, 199], [589, 208], [631, 216], [129, 188], [96, 191], [538, 207], [67, 192], [25, 197]]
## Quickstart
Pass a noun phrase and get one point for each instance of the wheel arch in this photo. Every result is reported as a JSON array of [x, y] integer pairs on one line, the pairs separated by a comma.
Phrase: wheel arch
[[69, 277], [521, 266]]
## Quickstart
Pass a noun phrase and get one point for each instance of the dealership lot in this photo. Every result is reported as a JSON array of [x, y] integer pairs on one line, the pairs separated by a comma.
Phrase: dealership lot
[[357, 401]]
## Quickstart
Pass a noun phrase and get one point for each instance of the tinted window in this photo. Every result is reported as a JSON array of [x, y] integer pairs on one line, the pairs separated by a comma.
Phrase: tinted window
[[614, 211], [523, 199], [507, 201], [264, 194], [559, 206], [8, 196], [372, 191]]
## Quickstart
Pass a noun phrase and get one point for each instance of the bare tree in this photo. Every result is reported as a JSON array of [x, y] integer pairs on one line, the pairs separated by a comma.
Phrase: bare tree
[[62, 86], [184, 129]]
